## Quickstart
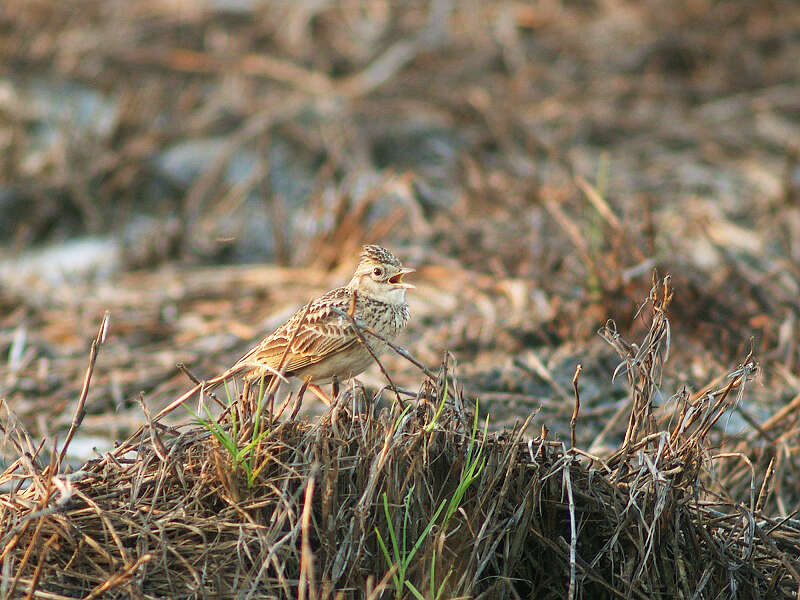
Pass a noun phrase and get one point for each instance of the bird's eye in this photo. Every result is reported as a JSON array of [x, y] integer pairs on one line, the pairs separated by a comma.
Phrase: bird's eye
[[377, 271]]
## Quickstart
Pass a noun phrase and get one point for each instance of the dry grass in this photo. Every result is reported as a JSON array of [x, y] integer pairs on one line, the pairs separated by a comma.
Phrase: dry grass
[[168, 514]]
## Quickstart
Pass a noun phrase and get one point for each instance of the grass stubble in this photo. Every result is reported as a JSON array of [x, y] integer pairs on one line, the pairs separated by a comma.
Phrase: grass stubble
[[412, 500]]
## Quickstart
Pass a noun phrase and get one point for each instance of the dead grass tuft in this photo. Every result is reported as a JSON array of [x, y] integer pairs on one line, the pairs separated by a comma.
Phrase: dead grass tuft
[[412, 500]]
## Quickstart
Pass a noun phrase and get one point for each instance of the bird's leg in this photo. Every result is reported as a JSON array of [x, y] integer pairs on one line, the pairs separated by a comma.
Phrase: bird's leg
[[334, 387], [317, 391]]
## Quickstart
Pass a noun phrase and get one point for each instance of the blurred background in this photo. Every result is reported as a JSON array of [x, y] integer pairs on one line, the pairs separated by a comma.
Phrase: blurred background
[[201, 168]]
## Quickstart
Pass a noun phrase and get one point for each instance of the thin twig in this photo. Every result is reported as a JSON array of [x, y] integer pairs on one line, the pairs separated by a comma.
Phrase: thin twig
[[155, 440], [185, 370], [38, 571], [306, 554], [573, 538], [80, 411], [275, 382], [360, 325], [574, 418], [119, 578], [238, 367], [299, 402]]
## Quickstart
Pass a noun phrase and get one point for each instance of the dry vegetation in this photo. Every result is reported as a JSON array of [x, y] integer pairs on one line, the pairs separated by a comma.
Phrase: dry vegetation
[[219, 163], [415, 498]]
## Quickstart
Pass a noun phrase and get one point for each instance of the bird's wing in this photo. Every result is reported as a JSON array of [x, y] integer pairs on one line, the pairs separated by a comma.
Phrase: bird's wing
[[322, 333]]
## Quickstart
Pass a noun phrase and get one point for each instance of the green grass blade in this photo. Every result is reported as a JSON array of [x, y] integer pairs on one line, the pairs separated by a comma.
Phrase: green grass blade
[[426, 531], [414, 591], [388, 558], [391, 528], [429, 427], [439, 592]]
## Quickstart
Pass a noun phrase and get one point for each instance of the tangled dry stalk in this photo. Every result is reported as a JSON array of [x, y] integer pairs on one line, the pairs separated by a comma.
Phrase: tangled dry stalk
[[413, 500]]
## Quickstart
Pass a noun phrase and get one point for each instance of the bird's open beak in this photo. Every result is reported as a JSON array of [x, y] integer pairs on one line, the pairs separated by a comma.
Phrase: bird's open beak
[[397, 279]]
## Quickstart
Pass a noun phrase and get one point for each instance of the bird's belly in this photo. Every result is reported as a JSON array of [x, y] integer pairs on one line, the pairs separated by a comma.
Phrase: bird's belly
[[342, 365]]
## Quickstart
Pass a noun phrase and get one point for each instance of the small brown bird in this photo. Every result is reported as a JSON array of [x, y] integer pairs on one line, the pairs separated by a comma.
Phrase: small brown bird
[[319, 343]]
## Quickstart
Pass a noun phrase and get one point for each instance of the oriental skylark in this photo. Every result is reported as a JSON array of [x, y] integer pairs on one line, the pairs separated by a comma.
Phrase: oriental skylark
[[319, 343]]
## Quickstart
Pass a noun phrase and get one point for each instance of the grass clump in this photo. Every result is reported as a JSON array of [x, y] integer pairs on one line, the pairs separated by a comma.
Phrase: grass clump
[[241, 449], [400, 559]]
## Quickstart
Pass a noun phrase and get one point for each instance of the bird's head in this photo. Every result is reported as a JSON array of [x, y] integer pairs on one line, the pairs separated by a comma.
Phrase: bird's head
[[379, 275]]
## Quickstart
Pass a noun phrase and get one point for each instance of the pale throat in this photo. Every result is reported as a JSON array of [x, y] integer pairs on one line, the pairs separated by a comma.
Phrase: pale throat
[[393, 296], [380, 291]]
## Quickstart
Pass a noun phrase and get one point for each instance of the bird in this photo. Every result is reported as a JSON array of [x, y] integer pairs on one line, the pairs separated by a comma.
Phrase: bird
[[321, 342]]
